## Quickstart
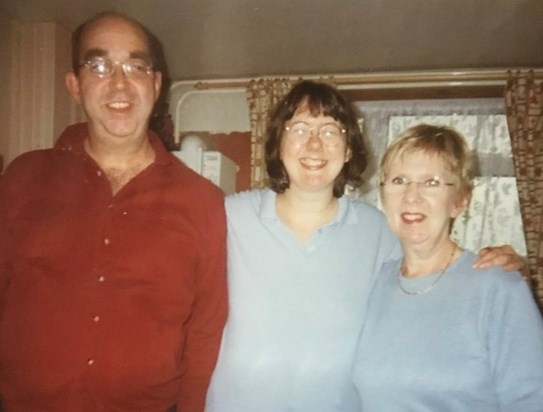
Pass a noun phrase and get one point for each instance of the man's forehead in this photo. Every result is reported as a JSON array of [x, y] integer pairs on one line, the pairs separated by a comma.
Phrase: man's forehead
[[109, 26], [113, 35]]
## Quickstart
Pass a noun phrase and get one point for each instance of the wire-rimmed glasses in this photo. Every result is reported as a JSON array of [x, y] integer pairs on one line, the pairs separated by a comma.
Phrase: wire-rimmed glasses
[[400, 184], [330, 134], [104, 67]]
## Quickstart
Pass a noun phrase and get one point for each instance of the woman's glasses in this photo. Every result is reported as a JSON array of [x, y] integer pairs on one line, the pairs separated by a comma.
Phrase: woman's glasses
[[400, 184], [330, 134]]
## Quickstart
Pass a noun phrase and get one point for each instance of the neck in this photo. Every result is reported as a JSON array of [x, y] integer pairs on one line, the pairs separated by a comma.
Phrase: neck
[[304, 213], [416, 263], [307, 203], [119, 155], [120, 163]]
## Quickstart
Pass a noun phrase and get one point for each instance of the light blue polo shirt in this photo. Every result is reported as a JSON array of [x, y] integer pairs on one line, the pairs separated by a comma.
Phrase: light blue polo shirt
[[296, 310]]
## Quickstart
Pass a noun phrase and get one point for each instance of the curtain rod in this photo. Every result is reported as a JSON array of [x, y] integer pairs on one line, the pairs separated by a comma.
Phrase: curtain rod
[[418, 78]]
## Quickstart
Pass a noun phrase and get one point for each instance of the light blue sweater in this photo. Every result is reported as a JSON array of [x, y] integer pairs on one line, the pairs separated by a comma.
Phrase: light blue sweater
[[473, 343], [296, 311]]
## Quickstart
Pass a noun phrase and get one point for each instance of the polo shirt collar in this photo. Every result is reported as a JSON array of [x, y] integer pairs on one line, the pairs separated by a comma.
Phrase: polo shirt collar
[[346, 213], [74, 135]]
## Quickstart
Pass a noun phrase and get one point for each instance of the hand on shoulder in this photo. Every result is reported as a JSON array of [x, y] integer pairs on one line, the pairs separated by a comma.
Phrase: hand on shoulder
[[504, 256]]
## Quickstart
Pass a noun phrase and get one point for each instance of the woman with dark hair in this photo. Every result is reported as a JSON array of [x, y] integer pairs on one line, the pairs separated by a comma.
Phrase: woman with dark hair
[[300, 267], [302, 259], [315, 99]]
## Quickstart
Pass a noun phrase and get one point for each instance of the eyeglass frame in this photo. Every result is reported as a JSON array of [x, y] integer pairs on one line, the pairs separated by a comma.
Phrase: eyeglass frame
[[124, 67], [287, 128], [421, 186]]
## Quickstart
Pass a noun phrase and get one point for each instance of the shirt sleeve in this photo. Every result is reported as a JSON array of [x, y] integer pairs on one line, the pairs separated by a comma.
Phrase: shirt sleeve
[[516, 348], [204, 330], [4, 242]]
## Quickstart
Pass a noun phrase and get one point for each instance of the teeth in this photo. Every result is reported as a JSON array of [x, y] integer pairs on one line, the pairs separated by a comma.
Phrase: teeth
[[414, 217], [312, 162], [118, 105]]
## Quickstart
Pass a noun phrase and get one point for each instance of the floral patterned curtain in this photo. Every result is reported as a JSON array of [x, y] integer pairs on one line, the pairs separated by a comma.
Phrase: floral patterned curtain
[[524, 103], [262, 95]]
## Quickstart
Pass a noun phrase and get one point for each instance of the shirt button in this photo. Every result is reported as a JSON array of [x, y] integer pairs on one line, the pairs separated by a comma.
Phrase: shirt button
[[96, 318], [101, 278], [125, 213], [106, 241], [90, 362], [98, 173]]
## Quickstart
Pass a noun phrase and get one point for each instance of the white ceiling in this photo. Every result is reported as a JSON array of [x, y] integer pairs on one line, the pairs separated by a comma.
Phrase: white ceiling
[[210, 39]]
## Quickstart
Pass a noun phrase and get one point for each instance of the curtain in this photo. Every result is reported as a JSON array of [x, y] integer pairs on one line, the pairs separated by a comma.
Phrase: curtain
[[493, 217], [524, 103], [375, 118], [262, 95]]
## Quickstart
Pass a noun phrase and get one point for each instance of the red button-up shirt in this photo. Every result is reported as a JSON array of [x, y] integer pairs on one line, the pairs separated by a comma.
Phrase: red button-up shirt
[[108, 302]]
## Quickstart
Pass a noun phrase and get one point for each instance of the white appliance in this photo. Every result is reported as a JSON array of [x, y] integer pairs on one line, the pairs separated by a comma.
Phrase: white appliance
[[212, 165]]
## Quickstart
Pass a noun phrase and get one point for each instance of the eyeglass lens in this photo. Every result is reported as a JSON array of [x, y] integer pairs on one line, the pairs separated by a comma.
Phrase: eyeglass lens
[[103, 67], [300, 132]]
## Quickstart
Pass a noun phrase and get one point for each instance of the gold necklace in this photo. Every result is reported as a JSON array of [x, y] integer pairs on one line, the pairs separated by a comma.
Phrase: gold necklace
[[428, 288]]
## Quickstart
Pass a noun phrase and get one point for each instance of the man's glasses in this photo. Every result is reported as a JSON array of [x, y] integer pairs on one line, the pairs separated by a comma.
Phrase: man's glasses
[[104, 67], [330, 134], [400, 184]]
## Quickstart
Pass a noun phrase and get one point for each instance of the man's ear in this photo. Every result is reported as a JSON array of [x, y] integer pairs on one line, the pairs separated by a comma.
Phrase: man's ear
[[72, 84], [158, 84]]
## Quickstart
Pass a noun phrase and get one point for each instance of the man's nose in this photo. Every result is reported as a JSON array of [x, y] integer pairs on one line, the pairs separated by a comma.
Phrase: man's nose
[[118, 76]]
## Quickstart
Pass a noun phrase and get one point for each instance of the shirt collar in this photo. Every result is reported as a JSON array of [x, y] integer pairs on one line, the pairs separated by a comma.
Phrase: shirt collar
[[345, 212], [267, 206], [74, 135]]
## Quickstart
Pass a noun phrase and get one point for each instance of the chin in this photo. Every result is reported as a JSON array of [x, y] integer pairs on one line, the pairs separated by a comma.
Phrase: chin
[[122, 130], [412, 239]]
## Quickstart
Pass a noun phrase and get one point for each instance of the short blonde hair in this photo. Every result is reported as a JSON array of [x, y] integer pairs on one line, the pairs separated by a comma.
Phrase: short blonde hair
[[441, 141]]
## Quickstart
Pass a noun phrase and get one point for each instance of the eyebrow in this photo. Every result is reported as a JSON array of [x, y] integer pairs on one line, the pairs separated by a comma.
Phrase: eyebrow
[[98, 52], [333, 122], [140, 55]]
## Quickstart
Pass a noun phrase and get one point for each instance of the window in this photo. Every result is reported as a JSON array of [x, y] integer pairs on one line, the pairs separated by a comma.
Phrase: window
[[493, 217]]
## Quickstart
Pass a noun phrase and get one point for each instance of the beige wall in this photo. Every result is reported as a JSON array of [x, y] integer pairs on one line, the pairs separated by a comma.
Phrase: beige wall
[[7, 28], [34, 105], [66, 111]]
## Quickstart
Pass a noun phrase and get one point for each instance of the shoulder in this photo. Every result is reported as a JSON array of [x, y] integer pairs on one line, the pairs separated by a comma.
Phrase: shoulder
[[496, 273], [364, 210], [494, 281], [34, 157], [191, 183], [391, 266], [250, 208], [369, 230], [33, 174], [34, 163], [369, 220], [246, 200]]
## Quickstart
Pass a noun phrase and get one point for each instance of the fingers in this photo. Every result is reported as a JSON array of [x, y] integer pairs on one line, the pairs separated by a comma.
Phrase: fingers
[[504, 256]]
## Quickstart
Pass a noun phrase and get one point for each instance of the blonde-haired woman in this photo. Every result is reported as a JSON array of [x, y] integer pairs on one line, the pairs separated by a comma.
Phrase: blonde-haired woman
[[439, 334]]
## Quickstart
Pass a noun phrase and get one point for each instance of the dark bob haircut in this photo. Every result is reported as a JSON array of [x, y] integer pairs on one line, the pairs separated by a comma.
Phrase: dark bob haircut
[[320, 99]]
